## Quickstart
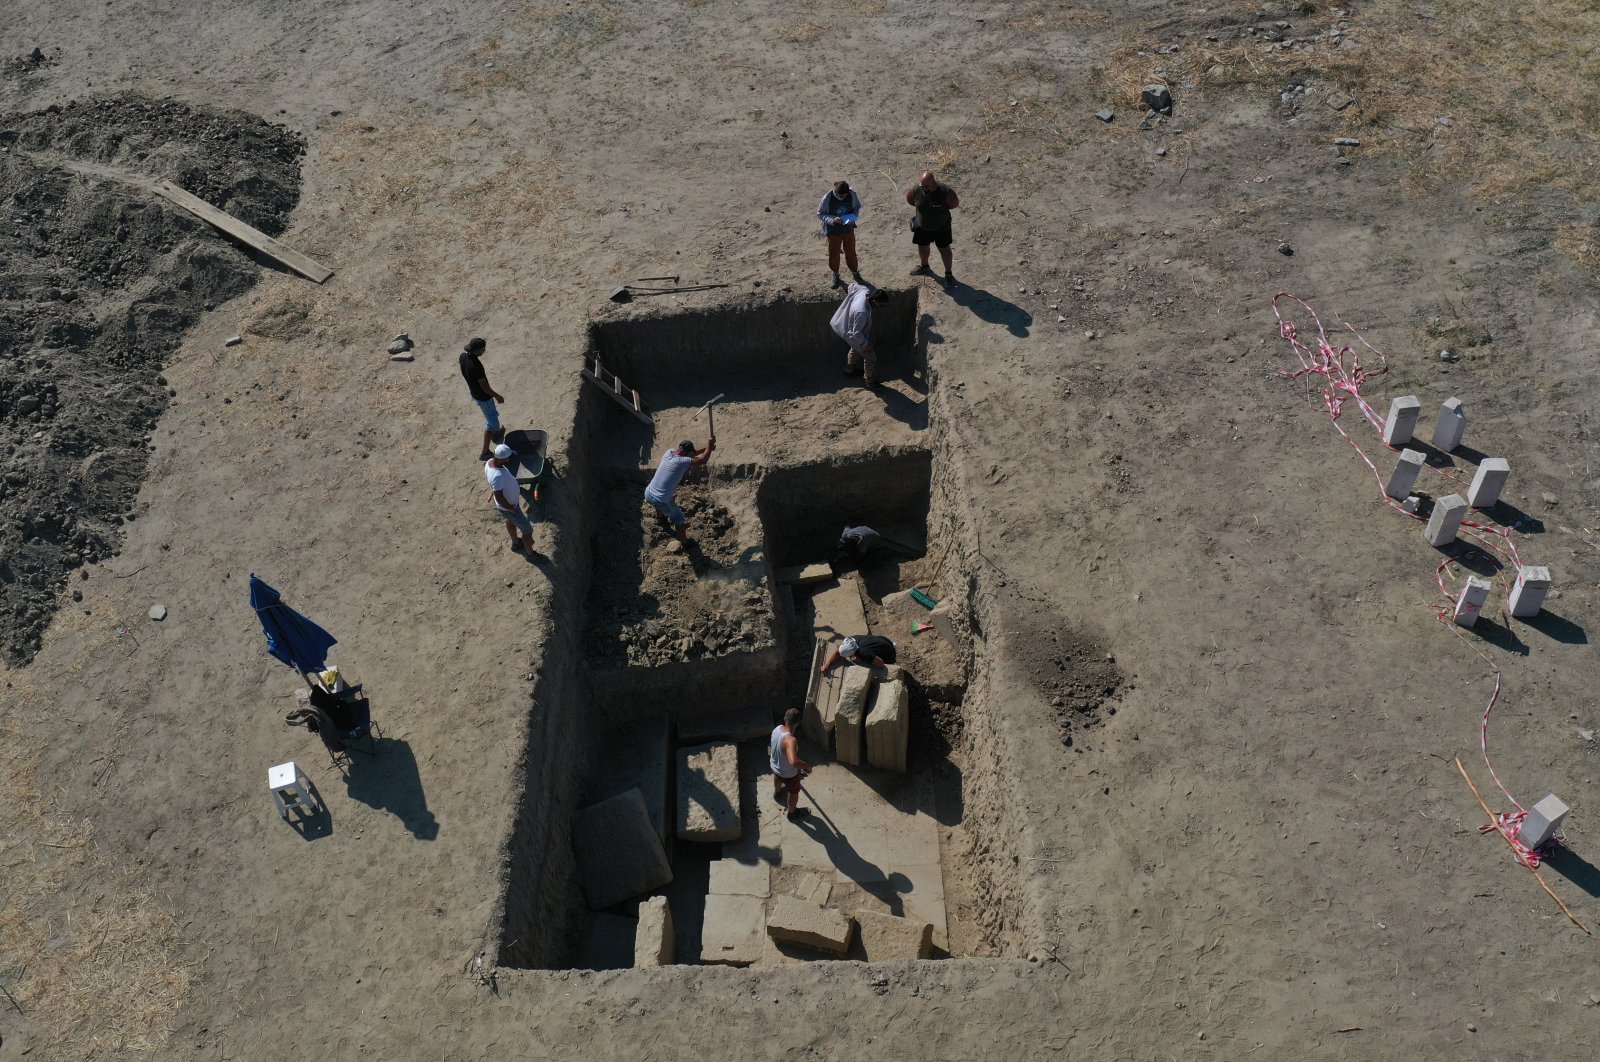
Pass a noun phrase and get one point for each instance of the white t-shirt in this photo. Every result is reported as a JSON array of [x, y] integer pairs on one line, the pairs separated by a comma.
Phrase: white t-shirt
[[674, 466], [504, 484], [777, 758]]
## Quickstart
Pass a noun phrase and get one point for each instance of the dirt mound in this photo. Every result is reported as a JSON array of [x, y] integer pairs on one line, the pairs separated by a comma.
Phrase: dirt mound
[[650, 606], [98, 283], [1072, 670]]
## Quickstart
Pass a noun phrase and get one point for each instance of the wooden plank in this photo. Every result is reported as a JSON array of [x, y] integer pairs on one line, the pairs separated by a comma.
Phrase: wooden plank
[[243, 233]]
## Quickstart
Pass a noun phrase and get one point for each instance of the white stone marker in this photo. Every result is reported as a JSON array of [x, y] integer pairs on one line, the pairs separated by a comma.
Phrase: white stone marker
[[1446, 520], [1527, 596], [1543, 820], [1489, 482], [1402, 422], [1470, 603], [1452, 425], [1405, 473]]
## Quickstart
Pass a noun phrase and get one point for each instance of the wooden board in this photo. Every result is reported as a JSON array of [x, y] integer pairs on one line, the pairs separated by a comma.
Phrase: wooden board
[[245, 234]]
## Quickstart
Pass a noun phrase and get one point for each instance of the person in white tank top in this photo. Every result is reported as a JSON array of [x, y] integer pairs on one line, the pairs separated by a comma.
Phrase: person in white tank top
[[788, 769]]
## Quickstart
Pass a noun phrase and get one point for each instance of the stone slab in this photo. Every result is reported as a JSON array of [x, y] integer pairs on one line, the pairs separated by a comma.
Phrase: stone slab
[[708, 793], [639, 756], [822, 698], [871, 833], [910, 891], [793, 921], [889, 726], [608, 943], [652, 939], [730, 877], [837, 612], [806, 576], [759, 841], [733, 929], [618, 850], [803, 883], [850, 718], [884, 937], [735, 724]]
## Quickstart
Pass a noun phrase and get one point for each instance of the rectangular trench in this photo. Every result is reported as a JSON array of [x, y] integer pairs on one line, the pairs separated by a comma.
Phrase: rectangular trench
[[578, 709]]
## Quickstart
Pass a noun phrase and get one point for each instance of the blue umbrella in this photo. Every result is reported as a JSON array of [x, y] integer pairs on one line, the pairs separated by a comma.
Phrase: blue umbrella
[[291, 637]]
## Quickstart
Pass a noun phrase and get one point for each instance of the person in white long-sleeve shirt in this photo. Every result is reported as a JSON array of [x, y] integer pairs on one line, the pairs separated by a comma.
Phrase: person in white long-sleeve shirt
[[852, 321], [839, 211]]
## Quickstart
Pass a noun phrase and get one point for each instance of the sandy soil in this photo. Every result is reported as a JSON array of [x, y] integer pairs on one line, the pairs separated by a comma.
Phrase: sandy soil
[[1266, 852]]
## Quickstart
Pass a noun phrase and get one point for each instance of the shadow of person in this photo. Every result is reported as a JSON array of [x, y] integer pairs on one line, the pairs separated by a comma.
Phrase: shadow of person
[[1576, 869], [889, 888], [987, 306], [912, 412], [389, 781]]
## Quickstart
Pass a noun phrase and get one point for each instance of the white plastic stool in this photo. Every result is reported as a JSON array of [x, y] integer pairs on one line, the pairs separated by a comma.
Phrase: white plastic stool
[[291, 789]]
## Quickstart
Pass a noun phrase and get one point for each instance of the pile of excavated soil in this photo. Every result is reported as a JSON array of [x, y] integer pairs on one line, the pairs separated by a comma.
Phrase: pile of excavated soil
[[1070, 669], [650, 606], [99, 280]]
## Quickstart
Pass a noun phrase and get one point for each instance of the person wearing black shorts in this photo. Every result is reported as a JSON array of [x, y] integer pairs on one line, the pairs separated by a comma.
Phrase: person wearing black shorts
[[931, 224]]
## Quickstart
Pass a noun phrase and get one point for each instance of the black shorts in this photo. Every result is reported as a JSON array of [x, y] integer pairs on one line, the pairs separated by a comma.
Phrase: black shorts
[[922, 238]]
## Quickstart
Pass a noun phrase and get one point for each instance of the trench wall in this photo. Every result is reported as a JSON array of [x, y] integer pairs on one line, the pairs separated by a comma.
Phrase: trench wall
[[804, 507], [993, 796], [543, 906], [643, 341], [628, 695]]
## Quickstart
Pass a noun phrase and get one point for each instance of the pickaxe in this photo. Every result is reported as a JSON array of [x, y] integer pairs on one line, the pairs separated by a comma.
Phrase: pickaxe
[[711, 424], [711, 415]]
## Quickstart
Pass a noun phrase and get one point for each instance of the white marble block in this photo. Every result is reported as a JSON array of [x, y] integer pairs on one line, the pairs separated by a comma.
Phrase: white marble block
[[1452, 425], [1527, 596], [1470, 603], [1489, 482], [1446, 519], [1404, 476], [1402, 422], [1543, 820]]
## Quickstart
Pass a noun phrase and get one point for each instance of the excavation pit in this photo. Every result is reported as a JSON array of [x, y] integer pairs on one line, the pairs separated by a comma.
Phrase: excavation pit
[[683, 661]]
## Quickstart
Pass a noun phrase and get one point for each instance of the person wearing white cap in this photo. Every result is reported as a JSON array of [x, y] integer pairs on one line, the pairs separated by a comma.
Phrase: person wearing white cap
[[505, 494], [871, 651]]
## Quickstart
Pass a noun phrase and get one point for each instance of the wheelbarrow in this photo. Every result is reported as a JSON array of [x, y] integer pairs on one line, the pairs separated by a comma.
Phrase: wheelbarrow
[[531, 464]]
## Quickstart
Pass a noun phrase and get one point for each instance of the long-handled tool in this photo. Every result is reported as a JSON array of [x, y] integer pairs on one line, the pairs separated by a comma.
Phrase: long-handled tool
[[709, 409], [628, 291], [710, 412]]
